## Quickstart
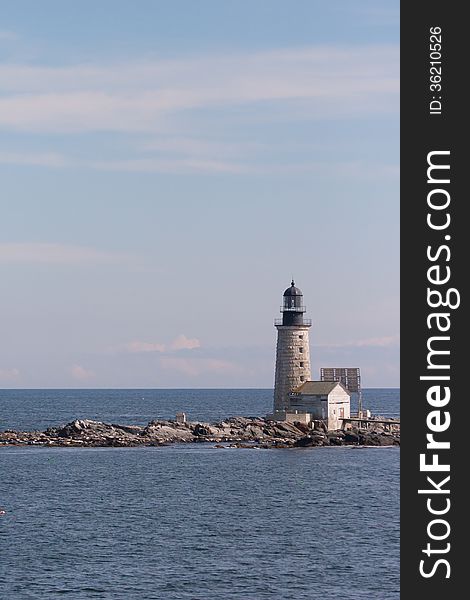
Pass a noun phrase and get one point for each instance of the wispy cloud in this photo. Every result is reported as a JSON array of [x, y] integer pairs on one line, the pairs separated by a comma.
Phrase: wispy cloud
[[141, 97], [181, 165], [40, 159], [48, 253], [202, 147], [356, 170], [185, 164], [375, 342], [198, 366], [80, 373], [137, 347], [184, 343], [8, 36], [181, 342], [183, 116], [9, 374], [378, 342]]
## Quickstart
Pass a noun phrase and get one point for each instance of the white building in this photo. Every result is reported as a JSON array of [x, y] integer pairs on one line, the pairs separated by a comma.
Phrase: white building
[[325, 401]]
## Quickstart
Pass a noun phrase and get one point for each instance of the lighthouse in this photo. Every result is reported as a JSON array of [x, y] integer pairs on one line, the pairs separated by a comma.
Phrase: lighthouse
[[292, 351]]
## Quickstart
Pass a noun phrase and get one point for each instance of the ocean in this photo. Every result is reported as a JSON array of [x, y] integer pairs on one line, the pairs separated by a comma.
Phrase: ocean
[[192, 521]]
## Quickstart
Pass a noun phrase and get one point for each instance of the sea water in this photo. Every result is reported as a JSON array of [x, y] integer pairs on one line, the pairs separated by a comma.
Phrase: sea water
[[192, 521]]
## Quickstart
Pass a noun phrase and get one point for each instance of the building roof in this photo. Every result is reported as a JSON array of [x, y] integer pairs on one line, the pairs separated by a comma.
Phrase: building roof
[[292, 290], [318, 388]]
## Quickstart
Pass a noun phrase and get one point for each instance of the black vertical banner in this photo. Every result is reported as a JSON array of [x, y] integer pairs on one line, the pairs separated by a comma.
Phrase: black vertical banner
[[434, 268]]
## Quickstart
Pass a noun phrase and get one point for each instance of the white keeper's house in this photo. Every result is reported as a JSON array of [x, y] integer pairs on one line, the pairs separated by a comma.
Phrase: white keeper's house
[[325, 401]]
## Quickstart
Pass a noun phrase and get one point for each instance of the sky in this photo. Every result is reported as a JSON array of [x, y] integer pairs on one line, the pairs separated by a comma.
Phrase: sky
[[167, 167]]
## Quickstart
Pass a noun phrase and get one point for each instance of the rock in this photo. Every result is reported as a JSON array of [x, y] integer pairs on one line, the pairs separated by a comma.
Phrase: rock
[[319, 426], [351, 438], [376, 439], [337, 433], [241, 431], [303, 427], [336, 441], [132, 429], [200, 430], [308, 441]]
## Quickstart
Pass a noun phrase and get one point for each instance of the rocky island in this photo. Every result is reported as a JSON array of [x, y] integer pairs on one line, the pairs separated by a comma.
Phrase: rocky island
[[240, 432]]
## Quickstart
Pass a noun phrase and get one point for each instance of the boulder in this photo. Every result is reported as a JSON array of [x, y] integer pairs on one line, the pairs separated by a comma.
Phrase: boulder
[[308, 441], [351, 438], [375, 439], [303, 427], [201, 430]]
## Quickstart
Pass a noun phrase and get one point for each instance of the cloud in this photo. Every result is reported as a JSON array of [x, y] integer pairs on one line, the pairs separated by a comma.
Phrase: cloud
[[181, 342], [377, 342], [142, 97], [200, 164], [202, 147], [42, 159], [184, 343], [198, 366], [357, 170], [181, 165], [9, 374], [80, 373], [8, 36], [47, 253], [137, 347], [177, 103]]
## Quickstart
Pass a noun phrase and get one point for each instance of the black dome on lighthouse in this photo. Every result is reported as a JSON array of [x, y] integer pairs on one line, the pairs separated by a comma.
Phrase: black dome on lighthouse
[[292, 290]]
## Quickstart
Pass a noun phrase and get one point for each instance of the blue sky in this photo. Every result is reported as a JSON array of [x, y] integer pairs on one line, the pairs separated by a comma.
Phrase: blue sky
[[166, 167]]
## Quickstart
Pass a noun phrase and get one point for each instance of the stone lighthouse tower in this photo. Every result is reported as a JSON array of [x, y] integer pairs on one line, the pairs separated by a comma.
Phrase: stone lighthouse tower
[[292, 352]]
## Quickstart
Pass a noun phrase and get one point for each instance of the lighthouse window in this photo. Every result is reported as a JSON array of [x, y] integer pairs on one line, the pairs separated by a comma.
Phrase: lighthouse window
[[301, 337], [301, 349], [301, 364], [302, 378]]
